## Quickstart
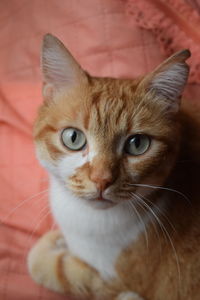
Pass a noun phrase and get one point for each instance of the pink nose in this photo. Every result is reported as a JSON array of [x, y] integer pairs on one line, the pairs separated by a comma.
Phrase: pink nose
[[102, 178]]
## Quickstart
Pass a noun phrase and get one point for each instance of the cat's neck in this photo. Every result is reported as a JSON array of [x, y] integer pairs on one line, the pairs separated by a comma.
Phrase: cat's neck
[[64, 200], [190, 121], [94, 235]]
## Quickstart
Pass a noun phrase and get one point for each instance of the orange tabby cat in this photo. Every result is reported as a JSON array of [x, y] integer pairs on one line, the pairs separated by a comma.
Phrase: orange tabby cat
[[123, 160]]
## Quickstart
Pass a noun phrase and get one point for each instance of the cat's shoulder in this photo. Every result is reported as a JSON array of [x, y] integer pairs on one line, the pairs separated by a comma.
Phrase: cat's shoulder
[[190, 121]]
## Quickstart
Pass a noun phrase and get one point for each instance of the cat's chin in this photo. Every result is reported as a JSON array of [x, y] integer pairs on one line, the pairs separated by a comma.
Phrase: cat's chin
[[101, 203]]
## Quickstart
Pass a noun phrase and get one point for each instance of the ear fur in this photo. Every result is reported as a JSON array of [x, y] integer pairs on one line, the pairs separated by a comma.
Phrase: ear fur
[[168, 80], [59, 68]]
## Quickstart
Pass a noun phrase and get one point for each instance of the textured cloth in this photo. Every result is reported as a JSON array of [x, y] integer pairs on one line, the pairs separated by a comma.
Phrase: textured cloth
[[175, 24], [100, 36]]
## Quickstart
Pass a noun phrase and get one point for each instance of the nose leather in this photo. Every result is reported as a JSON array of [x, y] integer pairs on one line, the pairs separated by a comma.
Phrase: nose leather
[[102, 177]]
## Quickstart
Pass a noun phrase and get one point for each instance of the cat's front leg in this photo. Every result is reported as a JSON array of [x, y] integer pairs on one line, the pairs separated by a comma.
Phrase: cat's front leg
[[51, 265], [45, 258]]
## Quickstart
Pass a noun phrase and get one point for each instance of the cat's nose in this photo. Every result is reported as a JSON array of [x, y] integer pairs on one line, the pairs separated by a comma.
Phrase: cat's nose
[[102, 178]]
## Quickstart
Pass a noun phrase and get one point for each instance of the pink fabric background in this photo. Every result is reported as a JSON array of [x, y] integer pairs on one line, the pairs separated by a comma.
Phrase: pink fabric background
[[174, 23], [105, 43]]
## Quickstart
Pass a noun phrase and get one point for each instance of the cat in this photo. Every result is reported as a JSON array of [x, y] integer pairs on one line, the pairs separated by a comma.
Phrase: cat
[[123, 160]]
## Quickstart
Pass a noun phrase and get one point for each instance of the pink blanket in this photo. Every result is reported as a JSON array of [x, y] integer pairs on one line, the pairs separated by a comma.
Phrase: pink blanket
[[102, 38]]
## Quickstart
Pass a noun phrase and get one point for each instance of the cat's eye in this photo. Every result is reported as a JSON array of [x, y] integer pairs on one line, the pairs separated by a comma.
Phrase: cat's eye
[[137, 144], [73, 138]]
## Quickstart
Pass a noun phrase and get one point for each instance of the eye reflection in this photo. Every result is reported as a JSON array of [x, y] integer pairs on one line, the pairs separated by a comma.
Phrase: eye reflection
[[73, 139], [137, 144]]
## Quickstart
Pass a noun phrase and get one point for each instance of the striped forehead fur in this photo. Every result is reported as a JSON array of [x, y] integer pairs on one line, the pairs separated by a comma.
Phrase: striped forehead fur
[[105, 107]]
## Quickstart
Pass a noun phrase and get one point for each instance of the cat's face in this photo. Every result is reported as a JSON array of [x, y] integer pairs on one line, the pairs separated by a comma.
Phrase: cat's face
[[103, 138]]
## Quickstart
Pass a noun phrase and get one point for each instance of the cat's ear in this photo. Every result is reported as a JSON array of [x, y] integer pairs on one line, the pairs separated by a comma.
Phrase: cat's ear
[[60, 70], [168, 80]]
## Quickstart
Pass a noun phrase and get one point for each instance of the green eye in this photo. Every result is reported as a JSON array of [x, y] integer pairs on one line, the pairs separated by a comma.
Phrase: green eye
[[137, 144], [73, 139]]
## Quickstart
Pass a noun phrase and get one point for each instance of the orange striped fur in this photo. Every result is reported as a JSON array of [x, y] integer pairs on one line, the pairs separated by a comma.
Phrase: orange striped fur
[[108, 111]]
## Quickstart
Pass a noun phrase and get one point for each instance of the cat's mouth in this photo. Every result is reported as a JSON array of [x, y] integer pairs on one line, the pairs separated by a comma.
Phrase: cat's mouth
[[101, 202], [102, 199]]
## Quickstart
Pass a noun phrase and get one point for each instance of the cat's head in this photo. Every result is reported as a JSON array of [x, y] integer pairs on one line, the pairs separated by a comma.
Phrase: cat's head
[[106, 139]]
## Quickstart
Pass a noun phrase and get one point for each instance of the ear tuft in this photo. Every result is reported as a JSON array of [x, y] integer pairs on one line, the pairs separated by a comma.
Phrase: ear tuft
[[168, 80], [60, 70]]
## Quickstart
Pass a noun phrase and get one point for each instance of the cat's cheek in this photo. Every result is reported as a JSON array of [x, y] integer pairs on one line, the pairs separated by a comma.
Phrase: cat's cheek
[[43, 156], [48, 166], [68, 165], [134, 173]]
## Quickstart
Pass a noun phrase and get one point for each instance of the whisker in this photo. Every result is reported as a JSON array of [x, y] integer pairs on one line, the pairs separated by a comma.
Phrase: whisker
[[38, 217], [161, 188], [141, 222], [36, 227], [166, 232], [19, 205], [154, 225], [159, 210], [53, 226]]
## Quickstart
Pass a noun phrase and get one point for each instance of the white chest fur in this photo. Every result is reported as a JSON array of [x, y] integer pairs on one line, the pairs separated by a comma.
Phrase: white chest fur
[[95, 236]]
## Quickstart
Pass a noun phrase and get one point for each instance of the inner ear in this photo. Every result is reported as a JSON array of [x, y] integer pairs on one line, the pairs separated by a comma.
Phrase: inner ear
[[168, 80], [60, 70]]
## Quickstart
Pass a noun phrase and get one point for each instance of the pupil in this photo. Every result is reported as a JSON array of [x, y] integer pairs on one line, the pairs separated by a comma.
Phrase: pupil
[[137, 141], [74, 136]]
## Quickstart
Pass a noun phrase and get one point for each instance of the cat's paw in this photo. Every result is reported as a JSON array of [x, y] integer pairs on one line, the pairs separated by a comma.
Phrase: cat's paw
[[54, 240], [128, 296], [44, 260], [60, 243]]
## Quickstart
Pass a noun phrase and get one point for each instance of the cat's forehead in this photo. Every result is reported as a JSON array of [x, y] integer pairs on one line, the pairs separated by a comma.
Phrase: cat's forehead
[[102, 105], [104, 108], [111, 106], [115, 107], [109, 115]]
